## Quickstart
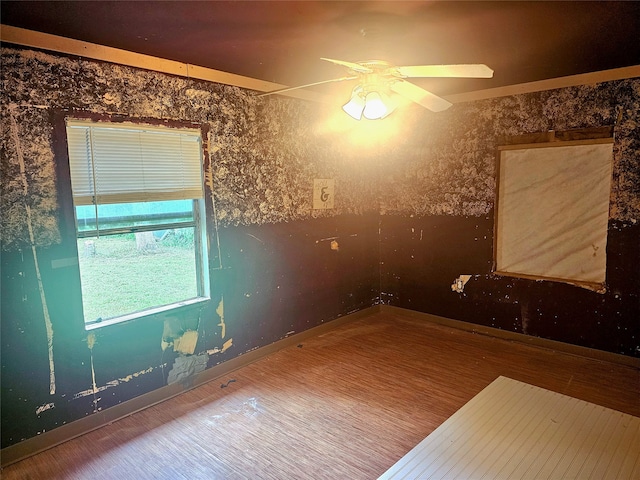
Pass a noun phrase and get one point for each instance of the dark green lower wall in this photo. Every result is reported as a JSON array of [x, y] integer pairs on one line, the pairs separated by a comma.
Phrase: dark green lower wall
[[278, 279], [274, 280], [422, 256]]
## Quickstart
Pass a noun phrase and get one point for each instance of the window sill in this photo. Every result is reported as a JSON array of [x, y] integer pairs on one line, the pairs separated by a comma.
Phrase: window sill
[[145, 313]]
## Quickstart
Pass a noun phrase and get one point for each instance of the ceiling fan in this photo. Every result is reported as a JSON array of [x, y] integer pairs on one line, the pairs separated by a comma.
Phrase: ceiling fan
[[377, 79]]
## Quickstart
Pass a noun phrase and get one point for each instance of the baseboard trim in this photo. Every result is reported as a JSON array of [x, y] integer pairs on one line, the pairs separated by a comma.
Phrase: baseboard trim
[[69, 431], [517, 337]]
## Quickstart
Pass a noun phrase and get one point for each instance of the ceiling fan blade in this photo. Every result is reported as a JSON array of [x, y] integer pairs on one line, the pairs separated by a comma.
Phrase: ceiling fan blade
[[282, 90], [420, 96], [356, 67], [462, 71]]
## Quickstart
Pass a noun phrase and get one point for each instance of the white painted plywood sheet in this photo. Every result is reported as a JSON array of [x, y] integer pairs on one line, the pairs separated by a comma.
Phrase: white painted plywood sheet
[[513, 430]]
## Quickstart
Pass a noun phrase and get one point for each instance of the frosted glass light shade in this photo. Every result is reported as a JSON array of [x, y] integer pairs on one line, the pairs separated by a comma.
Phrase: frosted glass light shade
[[374, 107], [354, 107]]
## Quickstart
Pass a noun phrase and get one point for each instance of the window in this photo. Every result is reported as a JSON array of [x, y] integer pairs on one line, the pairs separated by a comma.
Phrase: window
[[138, 200], [553, 210]]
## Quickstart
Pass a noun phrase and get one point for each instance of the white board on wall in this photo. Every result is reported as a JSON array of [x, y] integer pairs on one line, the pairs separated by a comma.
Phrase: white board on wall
[[323, 193], [553, 211]]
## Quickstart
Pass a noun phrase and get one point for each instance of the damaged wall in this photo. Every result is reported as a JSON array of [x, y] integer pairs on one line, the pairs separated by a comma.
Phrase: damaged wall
[[269, 254], [405, 225], [437, 205]]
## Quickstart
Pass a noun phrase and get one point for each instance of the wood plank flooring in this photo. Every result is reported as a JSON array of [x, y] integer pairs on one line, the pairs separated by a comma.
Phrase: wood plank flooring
[[347, 404]]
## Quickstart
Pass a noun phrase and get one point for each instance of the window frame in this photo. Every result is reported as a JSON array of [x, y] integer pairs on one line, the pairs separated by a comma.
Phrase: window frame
[[68, 226]]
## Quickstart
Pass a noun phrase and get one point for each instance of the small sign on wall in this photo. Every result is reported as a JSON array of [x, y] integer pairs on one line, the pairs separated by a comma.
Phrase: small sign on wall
[[323, 193]]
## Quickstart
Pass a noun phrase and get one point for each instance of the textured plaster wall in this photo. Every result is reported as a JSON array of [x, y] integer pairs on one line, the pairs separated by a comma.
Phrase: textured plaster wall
[[446, 163], [264, 153]]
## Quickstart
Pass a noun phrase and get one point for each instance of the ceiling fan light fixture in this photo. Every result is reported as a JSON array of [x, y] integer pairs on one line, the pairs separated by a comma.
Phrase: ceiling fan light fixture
[[375, 107], [355, 106], [381, 84]]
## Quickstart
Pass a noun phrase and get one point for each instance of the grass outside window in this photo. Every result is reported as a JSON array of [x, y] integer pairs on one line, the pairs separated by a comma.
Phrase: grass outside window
[[119, 276]]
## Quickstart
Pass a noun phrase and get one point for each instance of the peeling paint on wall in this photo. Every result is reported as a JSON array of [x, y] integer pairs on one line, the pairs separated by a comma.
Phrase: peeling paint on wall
[[29, 222], [220, 312], [261, 156], [225, 346], [186, 343], [91, 341], [45, 407], [113, 383], [459, 283]]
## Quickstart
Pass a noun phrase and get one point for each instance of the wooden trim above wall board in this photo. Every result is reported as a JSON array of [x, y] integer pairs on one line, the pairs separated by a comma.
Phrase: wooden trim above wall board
[[69, 46], [46, 440], [549, 84], [55, 43], [517, 337]]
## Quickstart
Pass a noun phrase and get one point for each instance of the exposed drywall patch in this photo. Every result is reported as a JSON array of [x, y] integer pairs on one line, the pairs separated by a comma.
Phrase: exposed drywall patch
[[186, 343], [220, 312], [186, 367], [459, 283], [182, 337]]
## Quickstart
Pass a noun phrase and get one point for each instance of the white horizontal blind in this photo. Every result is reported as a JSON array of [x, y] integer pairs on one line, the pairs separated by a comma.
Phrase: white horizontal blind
[[126, 163]]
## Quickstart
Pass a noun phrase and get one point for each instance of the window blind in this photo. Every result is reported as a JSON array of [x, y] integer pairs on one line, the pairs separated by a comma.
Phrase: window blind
[[126, 163]]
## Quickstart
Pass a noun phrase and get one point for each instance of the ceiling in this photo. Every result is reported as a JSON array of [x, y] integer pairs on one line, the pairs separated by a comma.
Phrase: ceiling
[[282, 42]]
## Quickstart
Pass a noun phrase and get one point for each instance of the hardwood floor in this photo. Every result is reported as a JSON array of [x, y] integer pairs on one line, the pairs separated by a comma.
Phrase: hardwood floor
[[346, 404]]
